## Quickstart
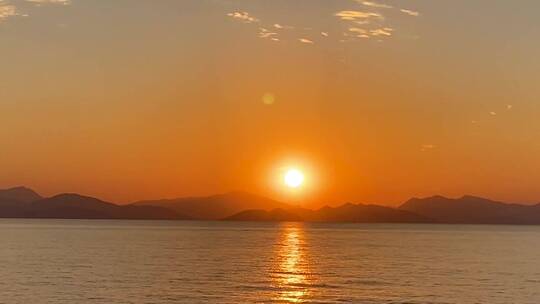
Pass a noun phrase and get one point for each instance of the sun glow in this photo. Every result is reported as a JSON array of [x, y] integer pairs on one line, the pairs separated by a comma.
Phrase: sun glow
[[293, 178]]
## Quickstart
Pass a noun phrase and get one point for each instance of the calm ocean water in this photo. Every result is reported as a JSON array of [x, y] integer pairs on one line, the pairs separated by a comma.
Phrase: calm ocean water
[[77, 261]]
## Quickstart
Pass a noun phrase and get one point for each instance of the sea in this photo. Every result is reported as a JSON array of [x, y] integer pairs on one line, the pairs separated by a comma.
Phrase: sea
[[158, 262]]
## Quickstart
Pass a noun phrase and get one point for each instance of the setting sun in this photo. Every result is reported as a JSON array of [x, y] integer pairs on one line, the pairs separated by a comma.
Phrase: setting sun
[[293, 178], [242, 151]]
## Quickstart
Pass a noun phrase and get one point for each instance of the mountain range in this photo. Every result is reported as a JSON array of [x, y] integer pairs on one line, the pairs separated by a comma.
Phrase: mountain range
[[22, 202], [215, 207]]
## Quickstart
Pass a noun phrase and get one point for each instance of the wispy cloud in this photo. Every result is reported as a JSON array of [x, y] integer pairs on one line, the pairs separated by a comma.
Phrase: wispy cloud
[[304, 40], [64, 2], [357, 15], [283, 27], [494, 113], [11, 8], [387, 31], [243, 16], [367, 20], [375, 4], [426, 147], [7, 10], [410, 12], [359, 32], [366, 33], [265, 33]]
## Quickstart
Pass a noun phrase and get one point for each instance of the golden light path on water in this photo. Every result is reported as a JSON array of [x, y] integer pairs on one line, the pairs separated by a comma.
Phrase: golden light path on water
[[291, 271]]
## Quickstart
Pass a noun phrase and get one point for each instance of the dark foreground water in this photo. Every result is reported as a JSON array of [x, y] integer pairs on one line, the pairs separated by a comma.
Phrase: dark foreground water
[[55, 261]]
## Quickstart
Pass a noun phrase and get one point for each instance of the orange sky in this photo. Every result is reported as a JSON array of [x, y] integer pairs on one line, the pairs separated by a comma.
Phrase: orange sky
[[145, 99]]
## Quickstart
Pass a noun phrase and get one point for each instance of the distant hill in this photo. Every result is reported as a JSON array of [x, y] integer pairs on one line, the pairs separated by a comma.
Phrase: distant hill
[[368, 214], [22, 202], [20, 194], [345, 213], [473, 210], [276, 215], [74, 206], [216, 207]]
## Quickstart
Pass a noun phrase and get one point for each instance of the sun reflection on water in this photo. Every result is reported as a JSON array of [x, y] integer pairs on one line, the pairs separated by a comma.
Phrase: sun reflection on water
[[291, 272]]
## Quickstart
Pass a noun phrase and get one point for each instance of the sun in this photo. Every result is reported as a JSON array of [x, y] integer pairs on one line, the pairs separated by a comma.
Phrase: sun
[[293, 178]]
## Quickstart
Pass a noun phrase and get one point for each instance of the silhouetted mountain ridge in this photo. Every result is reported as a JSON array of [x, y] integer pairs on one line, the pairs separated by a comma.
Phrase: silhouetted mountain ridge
[[352, 213], [76, 206], [218, 206], [276, 215], [21, 194], [22, 202], [472, 210]]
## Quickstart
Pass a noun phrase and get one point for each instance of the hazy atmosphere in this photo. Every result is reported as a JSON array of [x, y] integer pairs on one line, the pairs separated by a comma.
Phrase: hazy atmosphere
[[375, 102]]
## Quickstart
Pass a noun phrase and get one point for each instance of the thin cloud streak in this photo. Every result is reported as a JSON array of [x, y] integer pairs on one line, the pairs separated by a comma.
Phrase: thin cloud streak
[[304, 40], [283, 27], [243, 16], [410, 12], [352, 15], [265, 33], [382, 32], [64, 2], [375, 4]]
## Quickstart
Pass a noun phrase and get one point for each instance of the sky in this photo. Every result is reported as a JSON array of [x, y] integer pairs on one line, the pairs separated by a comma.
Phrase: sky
[[376, 102]]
